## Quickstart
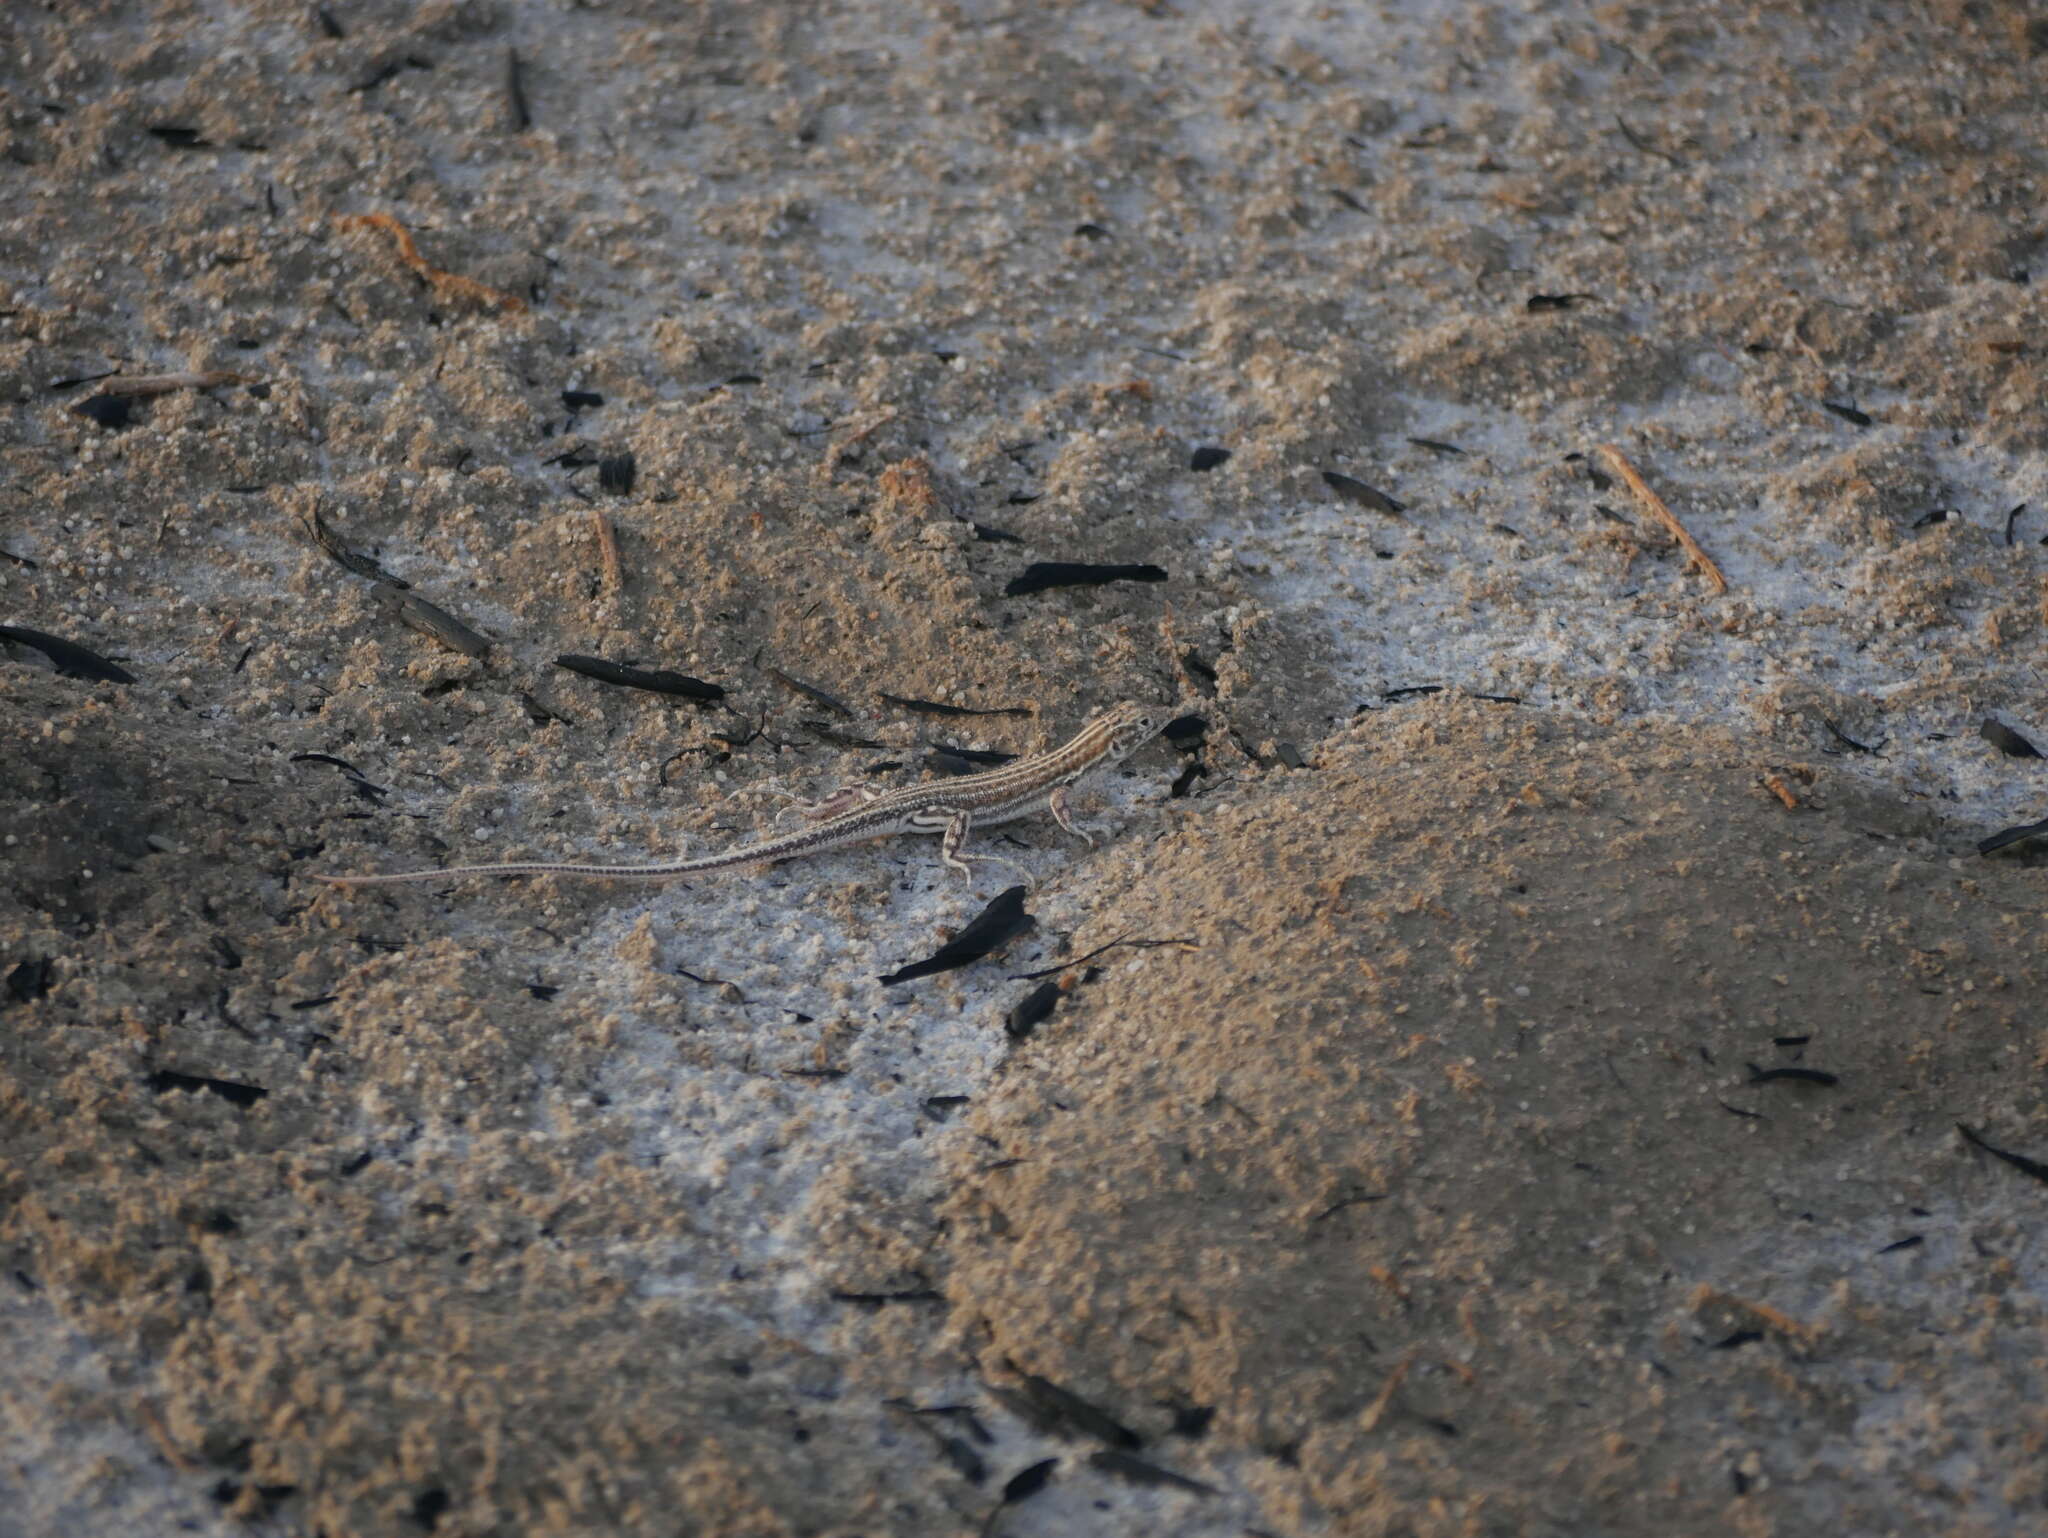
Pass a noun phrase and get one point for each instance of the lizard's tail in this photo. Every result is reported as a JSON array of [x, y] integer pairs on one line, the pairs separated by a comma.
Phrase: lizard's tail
[[660, 872]]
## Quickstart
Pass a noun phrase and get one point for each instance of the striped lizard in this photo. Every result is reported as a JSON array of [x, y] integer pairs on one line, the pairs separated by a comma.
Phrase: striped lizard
[[950, 808]]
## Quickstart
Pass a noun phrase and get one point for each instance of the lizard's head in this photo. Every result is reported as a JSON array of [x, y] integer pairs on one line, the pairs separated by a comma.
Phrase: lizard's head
[[1131, 726]]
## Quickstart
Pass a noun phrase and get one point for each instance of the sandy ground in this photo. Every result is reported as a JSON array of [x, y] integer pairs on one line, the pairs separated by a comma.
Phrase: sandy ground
[[1552, 1019]]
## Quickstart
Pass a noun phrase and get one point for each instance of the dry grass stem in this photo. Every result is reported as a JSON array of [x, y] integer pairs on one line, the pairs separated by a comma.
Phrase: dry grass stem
[[608, 548], [450, 283], [1619, 464], [163, 384]]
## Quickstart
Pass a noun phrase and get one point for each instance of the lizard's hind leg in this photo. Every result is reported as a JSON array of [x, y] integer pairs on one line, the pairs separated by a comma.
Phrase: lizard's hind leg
[[844, 799]]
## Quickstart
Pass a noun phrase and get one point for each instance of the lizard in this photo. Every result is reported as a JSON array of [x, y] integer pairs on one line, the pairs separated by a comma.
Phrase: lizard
[[950, 808]]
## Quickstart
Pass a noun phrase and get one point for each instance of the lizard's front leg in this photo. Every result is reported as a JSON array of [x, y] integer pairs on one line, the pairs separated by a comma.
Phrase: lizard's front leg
[[1062, 814], [953, 824]]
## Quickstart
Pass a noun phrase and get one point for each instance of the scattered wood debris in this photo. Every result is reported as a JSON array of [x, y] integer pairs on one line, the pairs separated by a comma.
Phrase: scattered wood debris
[[30, 980], [346, 556], [995, 926], [517, 110], [113, 412], [387, 66], [540, 714], [1835, 731], [1351, 489], [957, 1451], [2018, 1161], [1791, 1076], [1643, 145], [1763, 1313], [1370, 1418], [1060, 1412], [812, 692], [1031, 1011], [2006, 740], [358, 781], [1138, 1471], [656, 680], [1654, 504], [1027, 1482], [164, 384], [1707, 1295], [945, 758], [615, 473], [1774, 782], [608, 550], [1103, 950], [937, 708], [69, 658], [72, 381], [2018, 835], [415, 613], [825, 732], [1041, 575], [241, 1096]]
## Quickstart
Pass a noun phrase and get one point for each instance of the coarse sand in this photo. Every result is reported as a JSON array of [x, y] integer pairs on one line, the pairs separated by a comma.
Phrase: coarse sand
[[1544, 1055]]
